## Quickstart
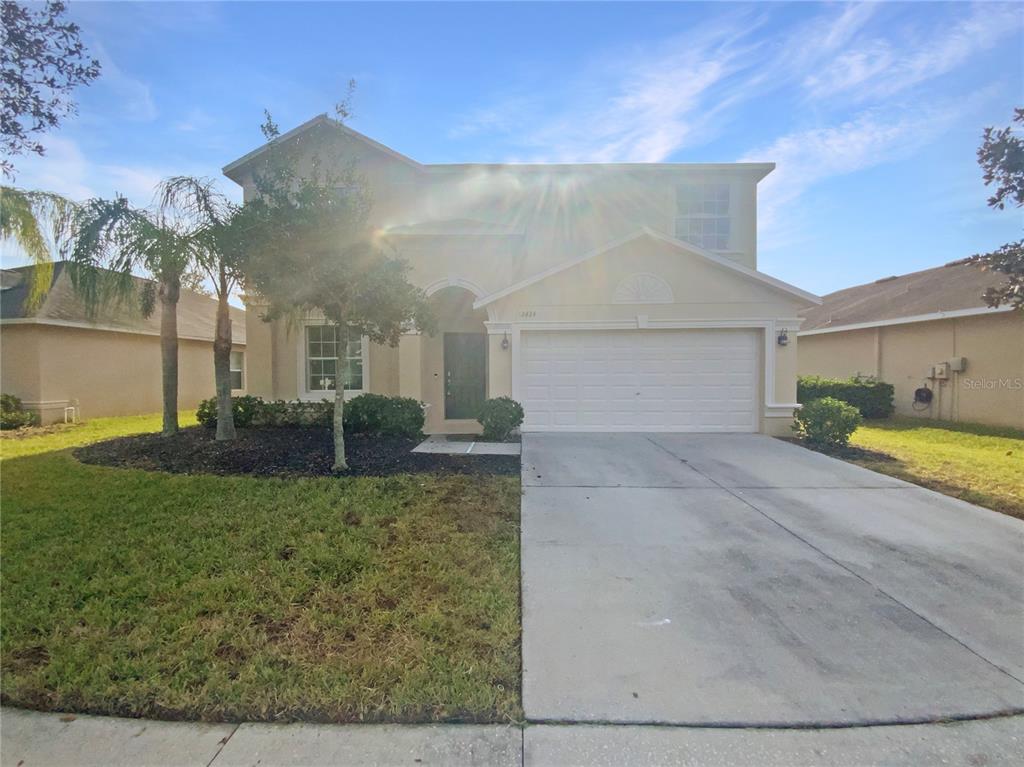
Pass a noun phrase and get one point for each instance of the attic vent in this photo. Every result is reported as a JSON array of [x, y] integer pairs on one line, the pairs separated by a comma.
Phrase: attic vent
[[886, 279]]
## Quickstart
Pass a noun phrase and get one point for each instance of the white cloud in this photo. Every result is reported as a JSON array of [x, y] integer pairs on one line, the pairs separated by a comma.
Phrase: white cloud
[[632, 106], [807, 157], [644, 106], [133, 95], [197, 119], [880, 67], [67, 170]]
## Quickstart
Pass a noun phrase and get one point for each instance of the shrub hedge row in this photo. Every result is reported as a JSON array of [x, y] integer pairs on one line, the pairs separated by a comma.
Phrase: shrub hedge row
[[366, 414], [13, 414], [872, 398]]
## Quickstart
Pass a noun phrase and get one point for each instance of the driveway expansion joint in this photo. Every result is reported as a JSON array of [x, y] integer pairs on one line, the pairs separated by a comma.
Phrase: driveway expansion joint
[[841, 565], [223, 743]]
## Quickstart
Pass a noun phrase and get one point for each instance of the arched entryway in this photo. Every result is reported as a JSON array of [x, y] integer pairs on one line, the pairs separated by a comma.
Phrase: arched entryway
[[454, 362]]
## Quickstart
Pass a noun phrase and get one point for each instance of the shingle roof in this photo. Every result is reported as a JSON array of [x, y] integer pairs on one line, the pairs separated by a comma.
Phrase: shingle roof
[[196, 312], [953, 287]]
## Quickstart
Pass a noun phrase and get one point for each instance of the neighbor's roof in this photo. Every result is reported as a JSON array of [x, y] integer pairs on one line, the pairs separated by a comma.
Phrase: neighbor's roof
[[955, 289], [63, 307]]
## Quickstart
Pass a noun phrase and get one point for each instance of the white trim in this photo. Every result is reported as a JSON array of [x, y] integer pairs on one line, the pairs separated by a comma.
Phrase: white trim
[[781, 410], [103, 328], [497, 328], [727, 263], [975, 312], [47, 404], [757, 169], [300, 383], [452, 281]]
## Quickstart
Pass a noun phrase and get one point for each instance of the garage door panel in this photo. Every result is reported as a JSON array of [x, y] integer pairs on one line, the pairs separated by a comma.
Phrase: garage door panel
[[644, 380]]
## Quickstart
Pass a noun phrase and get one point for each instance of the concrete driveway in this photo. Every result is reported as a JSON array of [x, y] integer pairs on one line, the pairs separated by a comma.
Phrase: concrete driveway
[[741, 580]]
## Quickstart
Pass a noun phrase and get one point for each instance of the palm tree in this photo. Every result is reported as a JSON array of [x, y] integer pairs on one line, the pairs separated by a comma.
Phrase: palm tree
[[40, 224], [113, 235], [212, 220]]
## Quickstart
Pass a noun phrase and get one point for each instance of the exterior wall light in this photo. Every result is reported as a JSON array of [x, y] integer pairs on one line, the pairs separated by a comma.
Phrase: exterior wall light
[[783, 338], [504, 342]]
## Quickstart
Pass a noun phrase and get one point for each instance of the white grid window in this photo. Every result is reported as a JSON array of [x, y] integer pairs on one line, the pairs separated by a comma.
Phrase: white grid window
[[702, 215], [237, 368], [322, 360]]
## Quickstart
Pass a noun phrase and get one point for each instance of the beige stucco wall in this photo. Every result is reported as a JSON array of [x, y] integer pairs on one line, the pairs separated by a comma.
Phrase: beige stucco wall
[[543, 217], [702, 292], [107, 373], [989, 391]]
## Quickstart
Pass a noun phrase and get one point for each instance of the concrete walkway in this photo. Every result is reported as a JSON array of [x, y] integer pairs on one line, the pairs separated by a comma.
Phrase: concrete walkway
[[30, 739], [737, 580], [439, 443]]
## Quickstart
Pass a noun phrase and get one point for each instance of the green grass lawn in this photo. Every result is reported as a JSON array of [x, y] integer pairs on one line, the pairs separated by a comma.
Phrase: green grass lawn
[[980, 464], [231, 598], [15, 444]]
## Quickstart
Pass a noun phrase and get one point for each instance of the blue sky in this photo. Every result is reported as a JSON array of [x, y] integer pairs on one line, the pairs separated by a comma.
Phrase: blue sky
[[873, 112]]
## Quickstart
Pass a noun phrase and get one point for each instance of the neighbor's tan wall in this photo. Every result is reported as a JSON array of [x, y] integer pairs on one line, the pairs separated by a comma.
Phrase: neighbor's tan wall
[[990, 391], [107, 373], [19, 361], [839, 355]]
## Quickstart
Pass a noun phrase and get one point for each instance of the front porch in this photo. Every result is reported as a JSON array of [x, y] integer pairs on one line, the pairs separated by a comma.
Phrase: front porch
[[454, 370]]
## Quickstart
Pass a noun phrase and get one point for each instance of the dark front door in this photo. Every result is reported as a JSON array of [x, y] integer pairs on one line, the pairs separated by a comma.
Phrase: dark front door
[[465, 374]]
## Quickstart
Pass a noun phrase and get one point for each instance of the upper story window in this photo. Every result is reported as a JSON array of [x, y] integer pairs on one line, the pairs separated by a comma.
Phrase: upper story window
[[702, 215], [322, 360]]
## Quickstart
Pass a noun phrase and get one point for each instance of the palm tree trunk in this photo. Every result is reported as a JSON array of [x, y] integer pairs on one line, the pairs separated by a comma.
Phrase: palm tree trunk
[[339, 400], [222, 364], [169, 292]]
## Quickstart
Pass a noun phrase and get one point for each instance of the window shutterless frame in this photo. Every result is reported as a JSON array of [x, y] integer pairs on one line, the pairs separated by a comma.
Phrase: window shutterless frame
[[317, 373], [702, 214], [237, 367]]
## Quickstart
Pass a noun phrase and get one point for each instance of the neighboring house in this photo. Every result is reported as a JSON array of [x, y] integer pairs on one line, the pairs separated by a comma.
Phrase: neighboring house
[[606, 297], [57, 356], [929, 329]]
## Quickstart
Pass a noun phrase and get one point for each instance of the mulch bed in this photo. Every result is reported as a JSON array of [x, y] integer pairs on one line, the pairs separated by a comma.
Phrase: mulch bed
[[848, 453], [277, 452]]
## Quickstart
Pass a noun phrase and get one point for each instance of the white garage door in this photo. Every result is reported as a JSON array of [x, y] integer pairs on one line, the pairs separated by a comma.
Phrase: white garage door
[[639, 380]]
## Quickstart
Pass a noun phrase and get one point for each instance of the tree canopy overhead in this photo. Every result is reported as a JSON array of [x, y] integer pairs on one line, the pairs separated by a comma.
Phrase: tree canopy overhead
[[1001, 156], [308, 249], [42, 60]]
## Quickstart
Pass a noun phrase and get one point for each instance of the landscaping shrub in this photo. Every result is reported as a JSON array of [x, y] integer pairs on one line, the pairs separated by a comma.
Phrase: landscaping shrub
[[500, 417], [827, 422], [872, 398], [372, 414], [386, 416], [13, 414], [245, 409], [296, 413]]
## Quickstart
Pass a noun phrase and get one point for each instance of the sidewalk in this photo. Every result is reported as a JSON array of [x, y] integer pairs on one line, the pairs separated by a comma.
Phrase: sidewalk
[[30, 739]]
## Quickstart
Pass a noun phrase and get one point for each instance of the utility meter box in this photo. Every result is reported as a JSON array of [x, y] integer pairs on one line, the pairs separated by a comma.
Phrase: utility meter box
[[958, 365], [941, 371]]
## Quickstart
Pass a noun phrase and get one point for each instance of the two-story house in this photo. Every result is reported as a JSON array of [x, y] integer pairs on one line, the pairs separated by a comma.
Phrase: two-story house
[[604, 297]]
